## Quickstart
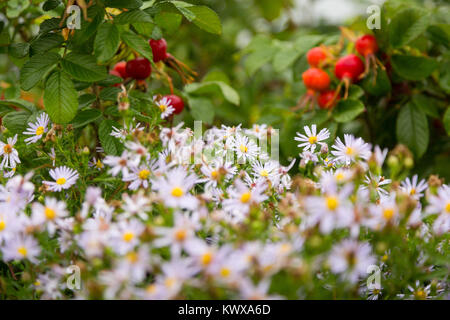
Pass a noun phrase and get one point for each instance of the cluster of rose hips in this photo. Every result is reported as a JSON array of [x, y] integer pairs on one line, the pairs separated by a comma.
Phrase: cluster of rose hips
[[140, 69], [348, 69]]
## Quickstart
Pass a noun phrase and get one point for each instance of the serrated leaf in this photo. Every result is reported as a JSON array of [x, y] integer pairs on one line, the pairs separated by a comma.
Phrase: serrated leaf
[[50, 5], [106, 42], [137, 43], [23, 104], [46, 42], [257, 59], [206, 19], [447, 120], [110, 144], [377, 85], [83, 67], [201, 109], [214, 87], [86, 100], [85, 117], [19, 50], [284, 58], [60, 98], [109, 94], [35, 68], [127, 4], [16, 121], [132, 16], [426, 104], [412, 129], [412, 67], [347, 110], [168, 21], [407, 25]]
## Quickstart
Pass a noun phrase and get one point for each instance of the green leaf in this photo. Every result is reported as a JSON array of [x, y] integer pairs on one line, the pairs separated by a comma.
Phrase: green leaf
[[169, 22], [407, 25], [35, 68], [447, 120], [285, 57], [109, 94], [412, 129], [138, 43], [86, 100], [16, 121], [23, 104], [379, 86], [355, 92], [133, 16], [19, 50], [201, 109], [214, 87], [83, 67], [347, 110], [412, 67], [46, 42], [50, 5], [206, 19], [257, 59], [85, 117], [426, 104], [127, 4], [106, 42], [60, 98], [110, 144]]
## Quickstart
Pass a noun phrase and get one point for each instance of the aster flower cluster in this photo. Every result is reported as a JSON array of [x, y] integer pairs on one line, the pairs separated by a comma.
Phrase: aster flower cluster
[[219, 217]]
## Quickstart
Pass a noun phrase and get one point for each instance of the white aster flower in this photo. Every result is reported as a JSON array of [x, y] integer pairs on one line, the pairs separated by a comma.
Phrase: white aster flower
[[311, 139], [9, 153], [351, 259], [353, 150], [64, 177], [20, 248], [412, 188], [49, 214], [37, 129], [165, 106]]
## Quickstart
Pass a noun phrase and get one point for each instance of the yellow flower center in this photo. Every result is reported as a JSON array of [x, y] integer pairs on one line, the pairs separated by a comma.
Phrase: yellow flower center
[[243, 148], [2, 225], [143, 174], [388, 213], [264, 173], [7, 149], [349, 151], [180, 235], [61, 181], [340, 176], [206, 258], [128, 236], [162, 107], [413, 191], [214, 174], [50, 214], [99, 164], [312, 139], [447, 207], [246, 197], [332, 203], [420, 294], [132, 257], [225, 272], [151, 288], [22, 251], [385, 257], [169, 282], [177, 192], [39, 130]]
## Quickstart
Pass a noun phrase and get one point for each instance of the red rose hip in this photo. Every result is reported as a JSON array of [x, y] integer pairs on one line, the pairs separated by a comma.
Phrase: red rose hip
[[139, 68], [120, 68], [349, 67], [316, 79], [327, 99], [316, 56], [176, 102], [159, 49], [366, 45]]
